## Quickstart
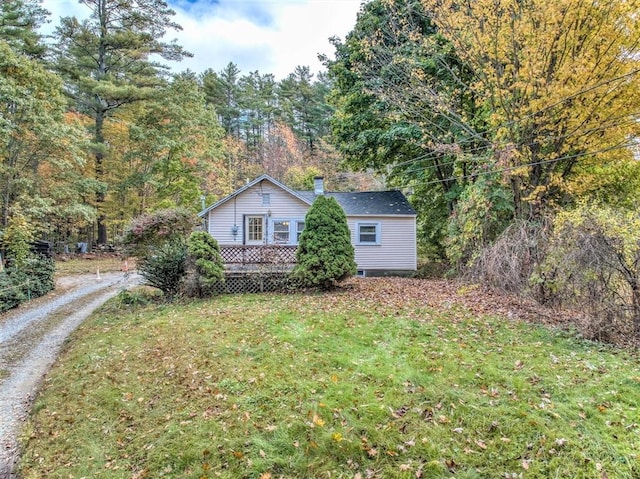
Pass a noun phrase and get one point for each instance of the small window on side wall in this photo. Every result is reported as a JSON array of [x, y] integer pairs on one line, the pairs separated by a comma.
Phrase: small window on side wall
[[368, 233]]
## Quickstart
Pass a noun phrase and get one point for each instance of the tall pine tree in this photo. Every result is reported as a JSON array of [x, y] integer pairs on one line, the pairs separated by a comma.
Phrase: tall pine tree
[[19, 23], [107, 62]]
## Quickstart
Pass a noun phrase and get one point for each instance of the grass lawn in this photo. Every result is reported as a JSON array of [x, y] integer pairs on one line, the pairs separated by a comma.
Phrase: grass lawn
[[359, 383]]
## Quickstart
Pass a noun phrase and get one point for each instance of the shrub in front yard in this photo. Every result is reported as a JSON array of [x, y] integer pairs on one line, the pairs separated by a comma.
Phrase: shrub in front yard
[[158, 240], [149, 231], [166, 267], [30, 279], [325, 255], [17, 236], [206, 269], [11, 295]]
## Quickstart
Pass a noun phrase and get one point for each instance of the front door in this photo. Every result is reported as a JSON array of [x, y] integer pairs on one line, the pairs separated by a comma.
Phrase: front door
[[255, 230]]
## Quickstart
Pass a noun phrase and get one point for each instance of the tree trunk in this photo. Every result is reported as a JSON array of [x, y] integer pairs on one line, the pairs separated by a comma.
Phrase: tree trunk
[[100, 195], [635, 307]]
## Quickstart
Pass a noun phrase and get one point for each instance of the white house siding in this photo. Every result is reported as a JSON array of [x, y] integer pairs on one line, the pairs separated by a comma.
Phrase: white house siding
[[397, 248], [249, 202]]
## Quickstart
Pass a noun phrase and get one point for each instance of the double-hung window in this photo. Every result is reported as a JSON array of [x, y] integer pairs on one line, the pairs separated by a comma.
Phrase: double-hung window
[[281, 231], [286, 231], [368, 233]]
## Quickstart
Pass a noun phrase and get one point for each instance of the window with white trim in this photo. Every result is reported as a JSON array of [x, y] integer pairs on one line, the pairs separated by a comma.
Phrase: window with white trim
[[286, 231], [281, 231], [368, 233], [266, 199]]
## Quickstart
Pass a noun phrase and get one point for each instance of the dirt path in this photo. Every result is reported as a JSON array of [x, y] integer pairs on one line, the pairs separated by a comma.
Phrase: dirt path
[[30, 340]]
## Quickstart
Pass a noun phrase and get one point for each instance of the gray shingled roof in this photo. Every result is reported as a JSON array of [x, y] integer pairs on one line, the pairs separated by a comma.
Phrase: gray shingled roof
[[359, 203], [368, 202]]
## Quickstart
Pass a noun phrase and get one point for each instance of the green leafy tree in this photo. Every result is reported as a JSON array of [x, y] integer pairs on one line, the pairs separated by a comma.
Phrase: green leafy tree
[[36, 141], [559, 79], [483, 211], [401, 110], [174, 147], [17, 237], [108, 61], [325, 255]]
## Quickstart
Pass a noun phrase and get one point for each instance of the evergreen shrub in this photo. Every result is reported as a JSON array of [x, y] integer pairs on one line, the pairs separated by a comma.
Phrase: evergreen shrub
[[166, 267], [205, 265], [325, 255]]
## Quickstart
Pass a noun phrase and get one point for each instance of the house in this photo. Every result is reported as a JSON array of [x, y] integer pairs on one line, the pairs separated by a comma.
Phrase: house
[[262, 221]]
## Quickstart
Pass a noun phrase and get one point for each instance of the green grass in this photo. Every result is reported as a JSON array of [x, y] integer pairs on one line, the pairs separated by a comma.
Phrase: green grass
[[268, 386]]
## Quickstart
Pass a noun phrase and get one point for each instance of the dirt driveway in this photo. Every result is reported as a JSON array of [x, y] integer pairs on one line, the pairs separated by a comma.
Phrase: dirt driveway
[[30, 339]]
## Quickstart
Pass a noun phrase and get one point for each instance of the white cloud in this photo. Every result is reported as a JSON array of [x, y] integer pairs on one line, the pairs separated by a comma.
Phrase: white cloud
[[272, 36]]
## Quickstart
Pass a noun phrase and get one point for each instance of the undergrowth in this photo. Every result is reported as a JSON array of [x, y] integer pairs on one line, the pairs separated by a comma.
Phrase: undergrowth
[[297, 386]]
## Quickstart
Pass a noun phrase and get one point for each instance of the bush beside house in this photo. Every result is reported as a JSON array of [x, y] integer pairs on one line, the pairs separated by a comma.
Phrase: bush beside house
[[205, 268], [325, 255], [172, 257]]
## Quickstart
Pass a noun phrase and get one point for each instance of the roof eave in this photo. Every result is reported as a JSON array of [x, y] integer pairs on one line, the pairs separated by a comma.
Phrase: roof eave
[[385, 215]]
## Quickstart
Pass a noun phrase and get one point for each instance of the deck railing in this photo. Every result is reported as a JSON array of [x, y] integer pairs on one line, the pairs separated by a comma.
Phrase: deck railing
[[258, 255]]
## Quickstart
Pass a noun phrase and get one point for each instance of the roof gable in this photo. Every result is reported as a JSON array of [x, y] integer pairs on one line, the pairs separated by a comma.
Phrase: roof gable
[[251, 184]]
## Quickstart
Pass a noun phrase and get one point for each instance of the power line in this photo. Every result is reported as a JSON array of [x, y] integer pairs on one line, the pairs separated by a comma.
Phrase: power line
[[527, 165], [628, 120]]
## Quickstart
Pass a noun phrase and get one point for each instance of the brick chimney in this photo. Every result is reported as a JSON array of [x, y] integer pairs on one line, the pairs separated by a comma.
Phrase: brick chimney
[[318, 185]]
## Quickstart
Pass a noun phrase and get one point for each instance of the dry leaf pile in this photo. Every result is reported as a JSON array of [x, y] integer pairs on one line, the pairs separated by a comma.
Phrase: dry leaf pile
[[402, 293]]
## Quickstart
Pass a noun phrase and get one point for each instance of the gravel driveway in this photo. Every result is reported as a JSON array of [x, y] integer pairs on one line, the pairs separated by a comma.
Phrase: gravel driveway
[[30, 340]]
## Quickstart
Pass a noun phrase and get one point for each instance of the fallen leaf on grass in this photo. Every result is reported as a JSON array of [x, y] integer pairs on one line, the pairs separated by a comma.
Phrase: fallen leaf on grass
[[318, 421]]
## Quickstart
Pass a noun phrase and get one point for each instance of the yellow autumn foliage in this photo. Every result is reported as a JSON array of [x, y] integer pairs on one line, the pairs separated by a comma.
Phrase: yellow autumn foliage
[[559, 77]]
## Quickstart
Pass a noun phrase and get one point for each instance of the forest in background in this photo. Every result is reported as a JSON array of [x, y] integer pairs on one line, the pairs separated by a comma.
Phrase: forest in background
[[96, 129]]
